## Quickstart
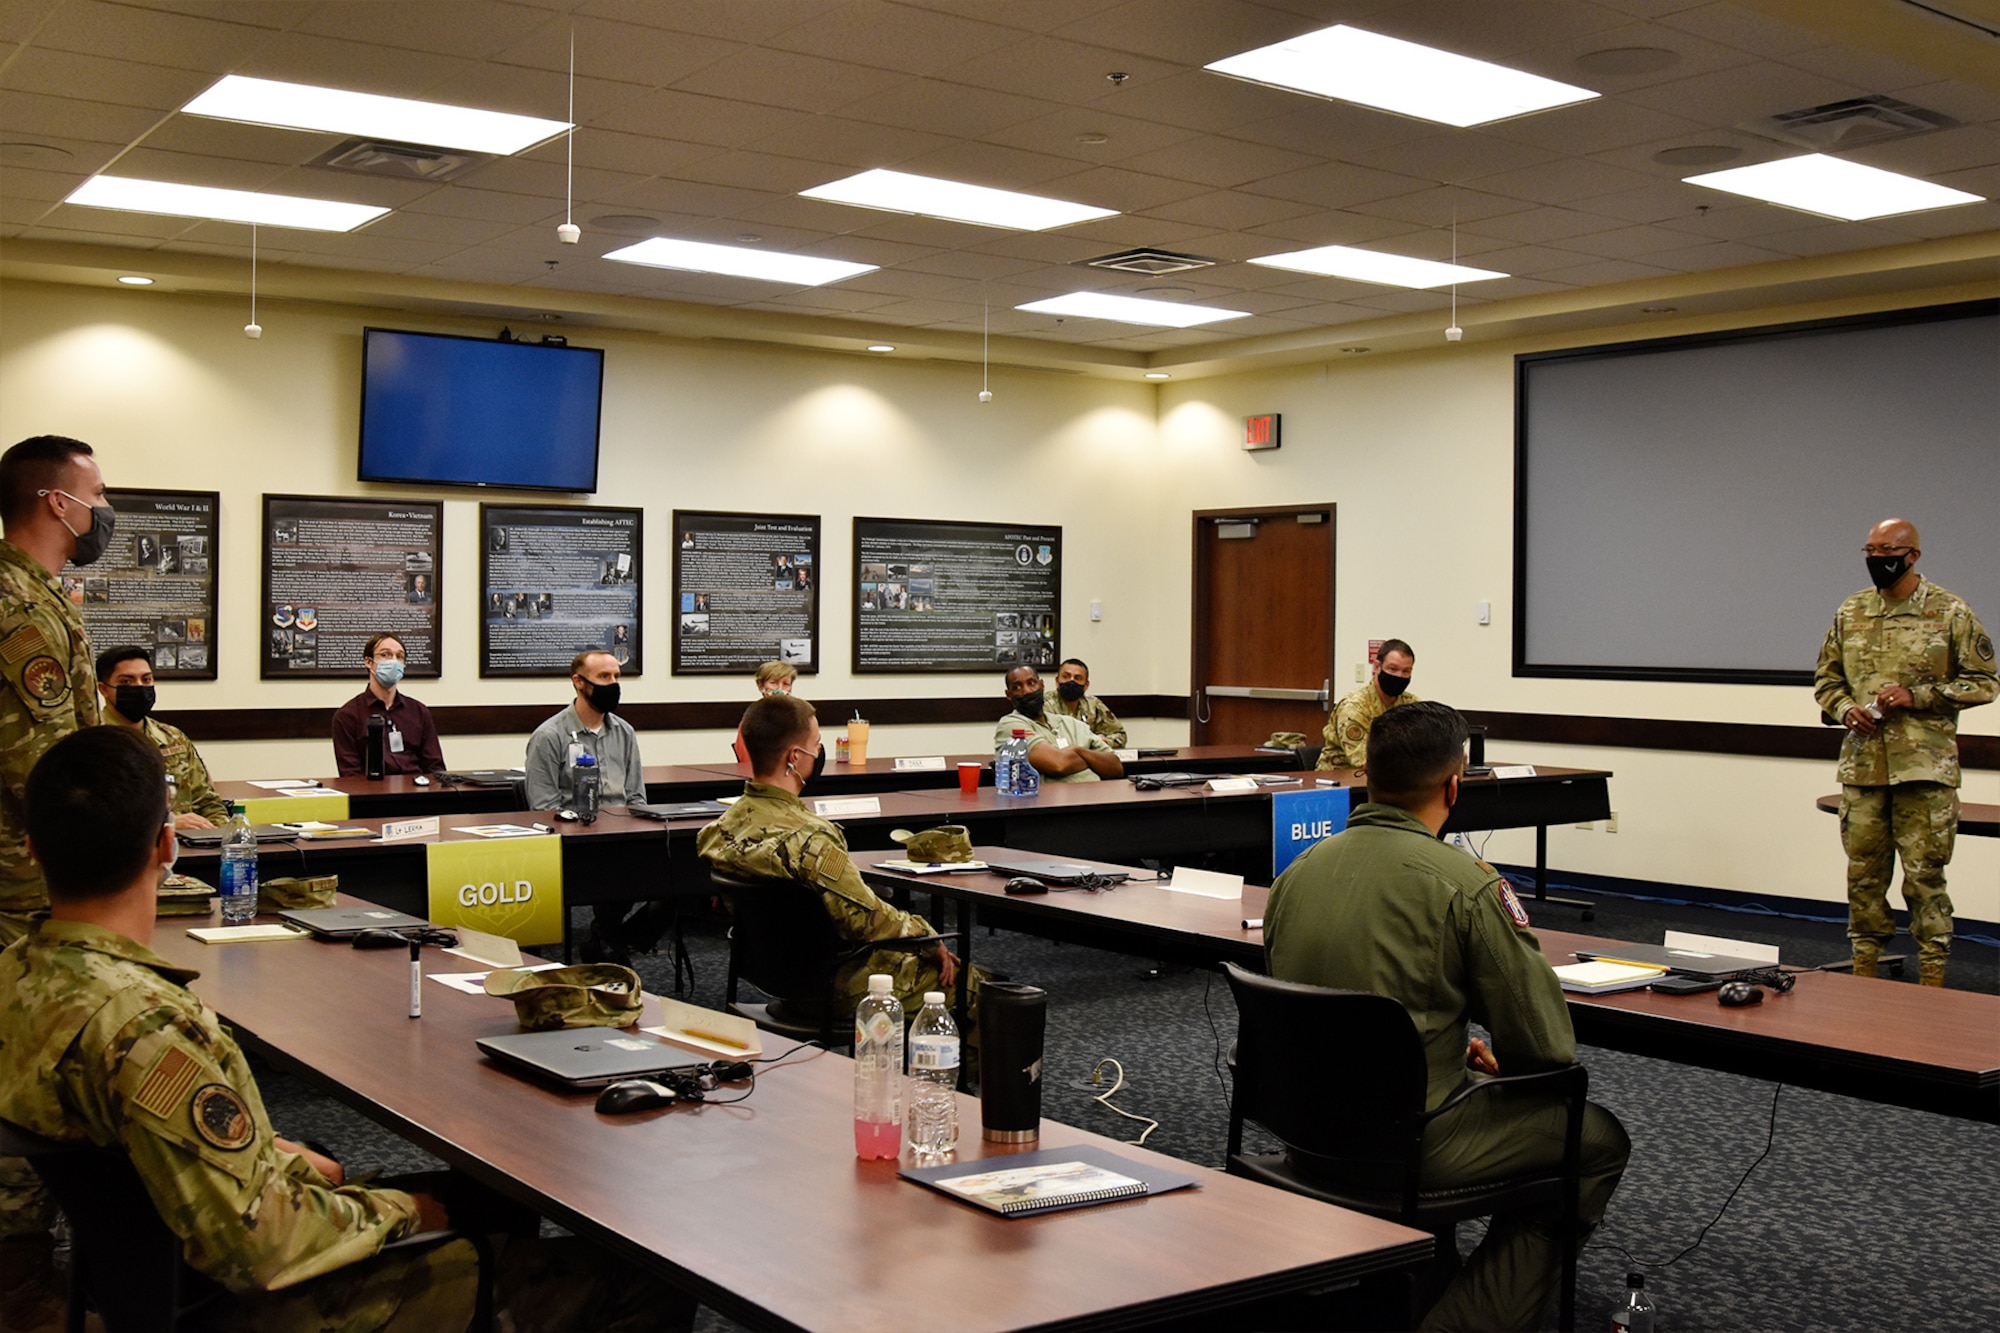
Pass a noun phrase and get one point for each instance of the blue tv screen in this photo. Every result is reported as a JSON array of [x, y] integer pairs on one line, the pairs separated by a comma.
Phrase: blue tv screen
[[473, 412]]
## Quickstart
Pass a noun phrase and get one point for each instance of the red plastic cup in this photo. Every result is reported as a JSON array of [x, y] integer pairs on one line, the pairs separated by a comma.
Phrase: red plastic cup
[[968, 778]]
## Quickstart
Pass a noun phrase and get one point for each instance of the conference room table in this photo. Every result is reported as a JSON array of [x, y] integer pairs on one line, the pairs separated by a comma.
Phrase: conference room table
[[1975, 819], [1918, 1046], [760, 1208]]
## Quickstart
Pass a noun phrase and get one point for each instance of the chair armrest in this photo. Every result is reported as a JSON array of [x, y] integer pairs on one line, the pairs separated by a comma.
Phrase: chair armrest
[[900, 944], [1554, 1080]]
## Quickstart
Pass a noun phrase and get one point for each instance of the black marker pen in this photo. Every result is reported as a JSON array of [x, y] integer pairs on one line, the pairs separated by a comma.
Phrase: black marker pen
[[416, 980]]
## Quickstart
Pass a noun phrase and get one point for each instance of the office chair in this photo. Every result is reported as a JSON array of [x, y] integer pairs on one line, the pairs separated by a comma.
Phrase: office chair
[[116, 1232], [783, 943], [1339, 1078]]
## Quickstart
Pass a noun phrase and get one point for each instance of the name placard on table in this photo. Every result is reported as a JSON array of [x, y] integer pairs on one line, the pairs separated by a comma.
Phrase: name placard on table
[[835, 807], [933, 763]]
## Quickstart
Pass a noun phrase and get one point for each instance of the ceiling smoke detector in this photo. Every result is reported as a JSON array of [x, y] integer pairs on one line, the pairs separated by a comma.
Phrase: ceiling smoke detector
[[1148, 260], [400, 161], [1837, 126]]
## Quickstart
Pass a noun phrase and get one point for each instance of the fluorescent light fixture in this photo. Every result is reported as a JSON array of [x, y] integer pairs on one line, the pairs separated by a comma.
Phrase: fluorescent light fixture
[[881, 347], [1351, 65], [131, 195], [301, 106], [134, 280], [1834, 187], [1131, 310], [1158, 375], [735, 261], [927, 196], [1345, 261]]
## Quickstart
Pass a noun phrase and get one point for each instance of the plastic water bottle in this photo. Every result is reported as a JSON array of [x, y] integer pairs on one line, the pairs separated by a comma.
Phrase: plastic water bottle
[[586, 789], [1635, 1314], [878, 1071], [933, 1079], [1013, 772], [239, 870]]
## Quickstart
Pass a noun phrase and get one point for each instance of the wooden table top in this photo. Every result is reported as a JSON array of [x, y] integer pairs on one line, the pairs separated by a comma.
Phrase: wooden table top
[[1976, 819], [761, 1209]]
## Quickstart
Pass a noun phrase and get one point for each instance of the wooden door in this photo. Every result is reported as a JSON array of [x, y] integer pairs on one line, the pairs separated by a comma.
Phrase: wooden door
[[1263, 622]]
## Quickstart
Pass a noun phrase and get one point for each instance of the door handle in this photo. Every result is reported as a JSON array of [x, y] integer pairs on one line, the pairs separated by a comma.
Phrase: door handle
[[1268, 692]]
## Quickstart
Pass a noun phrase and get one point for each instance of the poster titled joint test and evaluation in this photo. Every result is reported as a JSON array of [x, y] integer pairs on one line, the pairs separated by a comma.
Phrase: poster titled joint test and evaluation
[[746, 592]]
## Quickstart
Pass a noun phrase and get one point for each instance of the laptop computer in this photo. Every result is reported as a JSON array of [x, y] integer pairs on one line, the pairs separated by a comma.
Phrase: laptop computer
[[587, 1057], [1687, 962], [212, 837], [338, 923], [678, 810], [486, 777], [1149, 752], [1153, 781], [1057, 872]]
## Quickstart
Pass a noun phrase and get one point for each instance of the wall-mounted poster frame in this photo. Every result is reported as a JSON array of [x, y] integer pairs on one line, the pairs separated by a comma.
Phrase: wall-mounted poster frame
[[338, 571], [558, 580], [155, 584], [746, 592], [987, 596]]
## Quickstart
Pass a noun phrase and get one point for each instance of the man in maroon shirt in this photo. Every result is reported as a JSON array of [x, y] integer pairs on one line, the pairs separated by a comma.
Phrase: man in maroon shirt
[[411, 740]]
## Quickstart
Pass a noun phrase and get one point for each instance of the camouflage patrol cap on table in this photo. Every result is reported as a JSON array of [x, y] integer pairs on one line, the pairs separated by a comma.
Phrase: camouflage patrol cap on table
[[288, 893], [946, 843], [592, 995], [1285, 740]]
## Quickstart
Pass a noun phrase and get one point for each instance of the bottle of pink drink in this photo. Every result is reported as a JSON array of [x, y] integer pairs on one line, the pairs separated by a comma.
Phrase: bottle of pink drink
[[878, 1071]]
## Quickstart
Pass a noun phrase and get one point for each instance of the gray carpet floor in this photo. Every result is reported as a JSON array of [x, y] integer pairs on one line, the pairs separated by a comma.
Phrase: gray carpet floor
[[1862, 1216]]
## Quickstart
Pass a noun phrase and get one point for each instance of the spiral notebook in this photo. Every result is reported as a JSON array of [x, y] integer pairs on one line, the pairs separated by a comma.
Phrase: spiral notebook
[[1021, 1184]]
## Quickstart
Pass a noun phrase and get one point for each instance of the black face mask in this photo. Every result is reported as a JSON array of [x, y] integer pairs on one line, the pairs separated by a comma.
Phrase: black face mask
[[604, 698], [1070, 690], [133, 702], [1031, 705], [1391, 685], [819, 767], [1886, 570], [90, 543]]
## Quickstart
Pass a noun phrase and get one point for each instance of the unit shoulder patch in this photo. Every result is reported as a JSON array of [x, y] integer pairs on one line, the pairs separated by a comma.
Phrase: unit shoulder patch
[[45, 679], [1512, 903], [221, 1118]]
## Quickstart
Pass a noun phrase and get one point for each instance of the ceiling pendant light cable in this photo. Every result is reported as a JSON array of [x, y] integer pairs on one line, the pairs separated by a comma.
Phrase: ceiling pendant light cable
[[569, 233], [253, 329]]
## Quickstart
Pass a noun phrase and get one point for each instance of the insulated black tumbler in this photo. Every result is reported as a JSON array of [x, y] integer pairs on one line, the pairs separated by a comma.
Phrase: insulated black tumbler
[[1012, 1021]]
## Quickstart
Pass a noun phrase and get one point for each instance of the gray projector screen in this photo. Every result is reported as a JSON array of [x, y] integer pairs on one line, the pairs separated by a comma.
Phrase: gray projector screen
[[1694, 508]]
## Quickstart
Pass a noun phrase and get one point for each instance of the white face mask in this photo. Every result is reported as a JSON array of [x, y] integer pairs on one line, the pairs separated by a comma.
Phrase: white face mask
[[173, 858]]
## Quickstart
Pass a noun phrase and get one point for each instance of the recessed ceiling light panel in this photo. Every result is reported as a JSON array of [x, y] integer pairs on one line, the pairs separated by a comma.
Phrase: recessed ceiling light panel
[[131, 195], [1345, 261], [1131, 310], [734, 261], [1350, 65], [954, 201], [302, 106], [1834, 187]]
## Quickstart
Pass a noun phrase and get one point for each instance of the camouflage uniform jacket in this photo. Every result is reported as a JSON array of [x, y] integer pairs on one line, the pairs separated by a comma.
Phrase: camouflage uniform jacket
[[1093, 713], [1345, 740], [1931, 643], [1383, 906], [193, 792], [771, 834], [100, 1040], [1057, 729], [50, 690]]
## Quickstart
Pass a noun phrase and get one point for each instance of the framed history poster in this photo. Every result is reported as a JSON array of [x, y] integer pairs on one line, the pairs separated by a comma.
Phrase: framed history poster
[[555, 581], [155, 583], [746, 592], [963, 597], [339, 572]]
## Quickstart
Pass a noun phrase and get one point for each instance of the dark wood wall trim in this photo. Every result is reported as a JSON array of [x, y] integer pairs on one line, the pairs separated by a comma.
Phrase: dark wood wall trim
[[1628, 733]]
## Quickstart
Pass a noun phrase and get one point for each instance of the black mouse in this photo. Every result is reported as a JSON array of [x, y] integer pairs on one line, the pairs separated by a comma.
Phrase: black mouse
[[1738, 993], [634, 1094], [378, 938], [1023, 884]]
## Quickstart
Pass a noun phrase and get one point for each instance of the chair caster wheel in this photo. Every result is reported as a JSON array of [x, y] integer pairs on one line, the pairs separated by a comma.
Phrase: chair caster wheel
[[1589, 915]]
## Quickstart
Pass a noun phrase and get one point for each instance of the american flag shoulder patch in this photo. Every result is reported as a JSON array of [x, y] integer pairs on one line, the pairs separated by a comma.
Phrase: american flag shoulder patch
[[16, 647], [168, 1083]]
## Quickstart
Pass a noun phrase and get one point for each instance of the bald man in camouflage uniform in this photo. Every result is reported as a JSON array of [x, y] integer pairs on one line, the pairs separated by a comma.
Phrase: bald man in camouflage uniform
[[1344, 744], [770, 833], [1902, 660]]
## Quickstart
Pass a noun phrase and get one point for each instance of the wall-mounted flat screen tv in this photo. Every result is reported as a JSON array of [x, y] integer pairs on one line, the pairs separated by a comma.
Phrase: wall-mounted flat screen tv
[[458, 411]]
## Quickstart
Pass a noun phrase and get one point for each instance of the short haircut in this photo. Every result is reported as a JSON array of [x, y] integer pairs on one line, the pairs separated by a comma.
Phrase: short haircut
[[108, 660], [582, 659], [1075, 662], [1395, 646], [95, 806], [773, 672], [35, 464], [771, 726], [1412, 750], [376, 641]]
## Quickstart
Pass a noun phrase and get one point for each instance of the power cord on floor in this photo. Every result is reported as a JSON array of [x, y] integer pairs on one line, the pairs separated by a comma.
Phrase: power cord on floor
[[1221, 1080], [1770, 1137], [1104, 1099]]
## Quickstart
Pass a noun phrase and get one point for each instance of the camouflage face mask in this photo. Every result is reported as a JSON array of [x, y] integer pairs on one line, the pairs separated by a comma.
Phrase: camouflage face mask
[[593, 995], [945, 843]]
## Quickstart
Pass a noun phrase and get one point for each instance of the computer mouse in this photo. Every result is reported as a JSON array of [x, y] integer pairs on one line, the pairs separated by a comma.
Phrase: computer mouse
[[1023, 884], [1737, 993], [378, 938], [634, 1094], [423, 781], [566, 816]]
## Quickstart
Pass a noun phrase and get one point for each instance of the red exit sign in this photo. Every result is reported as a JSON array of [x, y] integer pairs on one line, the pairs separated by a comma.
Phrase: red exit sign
[[1261, 432]]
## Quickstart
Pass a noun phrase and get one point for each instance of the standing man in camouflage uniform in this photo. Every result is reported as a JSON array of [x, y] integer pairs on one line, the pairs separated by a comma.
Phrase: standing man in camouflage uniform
[[52, 511], [770, 834], [125, 680], [1073, 699], [1902, 660], [1345, 741], [100, 1041]]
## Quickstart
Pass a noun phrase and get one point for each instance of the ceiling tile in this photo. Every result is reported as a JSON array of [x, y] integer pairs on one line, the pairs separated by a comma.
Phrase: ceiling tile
[[1627, 242], [1115, 187], [1456, 156], [1745, 93], [463, 201], [1026, 15], [1337, 185], [1539, 224], [1069, 73], [835, 141], [1594, 127], [620, 52], [1228, 209], [149, 163], [124, 32], [54, 73], [694, 118], [970, 265], [41, 117], [899, 37], [944, 108], [1745, 29], [1159, 28], [1715, 254], [1057, 134], [331, 62], [473, 28], [1602, 272], [731, 19], [1196, 99], [788, 79], [1561, 182], [1438, 207], [1826, 238], [1219, 163], [991, 164], [247, 143], [762, 172]]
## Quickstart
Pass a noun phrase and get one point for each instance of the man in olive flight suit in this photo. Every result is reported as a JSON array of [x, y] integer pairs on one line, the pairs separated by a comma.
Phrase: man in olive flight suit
[[1345, 740], [1073, 699], [770, 834], [101, 1042], [1902, 660], [1385, 907], [125, 680]]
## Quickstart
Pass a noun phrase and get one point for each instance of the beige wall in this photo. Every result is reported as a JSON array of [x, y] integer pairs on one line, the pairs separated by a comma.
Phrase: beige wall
[[1416, 451]]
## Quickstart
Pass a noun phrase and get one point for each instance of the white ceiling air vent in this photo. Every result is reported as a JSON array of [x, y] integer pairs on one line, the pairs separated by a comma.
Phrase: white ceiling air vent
[[1851, 123], [1148, 260], [400, 161]]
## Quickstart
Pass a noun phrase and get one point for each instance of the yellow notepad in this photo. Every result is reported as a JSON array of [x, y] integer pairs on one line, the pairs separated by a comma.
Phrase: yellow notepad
[[245, 934], [1603, 977]]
